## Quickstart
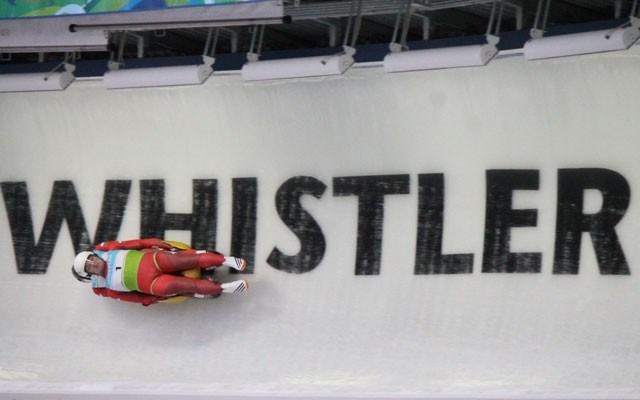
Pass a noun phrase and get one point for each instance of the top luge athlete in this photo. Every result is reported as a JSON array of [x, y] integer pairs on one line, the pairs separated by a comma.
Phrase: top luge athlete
[[147, 271]]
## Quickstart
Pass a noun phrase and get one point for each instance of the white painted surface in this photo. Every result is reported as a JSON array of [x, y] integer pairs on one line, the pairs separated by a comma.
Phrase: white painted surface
[[329, 332]]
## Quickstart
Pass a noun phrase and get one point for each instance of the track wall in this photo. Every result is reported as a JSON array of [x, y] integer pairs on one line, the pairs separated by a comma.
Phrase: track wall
[[468, 232]]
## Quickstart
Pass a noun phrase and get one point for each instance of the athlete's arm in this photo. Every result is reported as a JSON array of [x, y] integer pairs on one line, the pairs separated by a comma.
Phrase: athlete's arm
[[135, 244], [132, 297]]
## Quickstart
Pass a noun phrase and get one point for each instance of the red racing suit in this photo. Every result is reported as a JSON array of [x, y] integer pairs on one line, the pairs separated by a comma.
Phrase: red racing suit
[[145, 271]]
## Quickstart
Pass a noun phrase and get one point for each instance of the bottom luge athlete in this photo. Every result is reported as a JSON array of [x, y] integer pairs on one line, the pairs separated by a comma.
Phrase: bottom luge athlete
[[149, 271]]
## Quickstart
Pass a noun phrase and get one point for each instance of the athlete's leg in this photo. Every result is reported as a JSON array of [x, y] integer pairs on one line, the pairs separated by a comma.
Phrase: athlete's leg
[[174, 262], [169, 285], [147, 272]]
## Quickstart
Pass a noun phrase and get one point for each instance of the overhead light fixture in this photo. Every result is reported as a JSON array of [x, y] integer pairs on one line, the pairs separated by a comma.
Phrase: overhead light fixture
[[400, 59], [38, 81], [447, 57], [303, 67], [620, 38], [117, 78]]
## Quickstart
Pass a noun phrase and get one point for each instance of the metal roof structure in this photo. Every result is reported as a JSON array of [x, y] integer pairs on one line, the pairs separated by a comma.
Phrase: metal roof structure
[[317, 24]]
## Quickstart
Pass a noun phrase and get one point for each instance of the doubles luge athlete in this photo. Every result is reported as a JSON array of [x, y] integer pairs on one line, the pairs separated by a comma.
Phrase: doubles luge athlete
[[149, 271]]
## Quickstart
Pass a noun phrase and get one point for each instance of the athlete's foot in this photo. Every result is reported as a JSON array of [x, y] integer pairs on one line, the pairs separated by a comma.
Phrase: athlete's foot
[[235, 287], [235, 263]]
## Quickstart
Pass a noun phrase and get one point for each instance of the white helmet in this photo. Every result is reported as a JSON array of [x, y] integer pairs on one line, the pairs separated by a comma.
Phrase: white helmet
[[78, 266]]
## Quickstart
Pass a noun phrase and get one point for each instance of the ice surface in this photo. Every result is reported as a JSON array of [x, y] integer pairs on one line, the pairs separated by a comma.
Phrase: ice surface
[[328, 332]]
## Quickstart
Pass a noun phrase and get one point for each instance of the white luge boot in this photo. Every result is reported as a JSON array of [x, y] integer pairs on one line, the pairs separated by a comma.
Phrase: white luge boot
[[235, 263], [235, 287]]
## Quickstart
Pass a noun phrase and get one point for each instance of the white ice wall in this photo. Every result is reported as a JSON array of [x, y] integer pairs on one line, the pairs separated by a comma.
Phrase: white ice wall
[[329, 331]]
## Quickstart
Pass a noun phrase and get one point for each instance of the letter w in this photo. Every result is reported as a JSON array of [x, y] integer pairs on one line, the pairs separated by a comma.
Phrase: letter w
[[34, 258]]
